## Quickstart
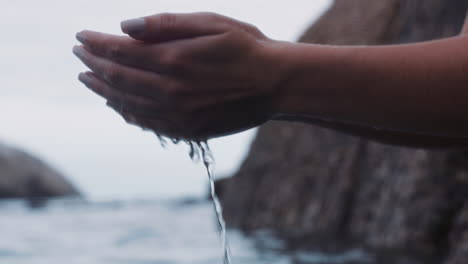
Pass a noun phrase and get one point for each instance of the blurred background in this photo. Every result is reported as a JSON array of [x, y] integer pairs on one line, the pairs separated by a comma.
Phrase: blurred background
[[46, 111]]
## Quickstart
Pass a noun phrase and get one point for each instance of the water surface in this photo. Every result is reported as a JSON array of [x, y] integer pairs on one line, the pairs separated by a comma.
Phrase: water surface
[[136, 232]]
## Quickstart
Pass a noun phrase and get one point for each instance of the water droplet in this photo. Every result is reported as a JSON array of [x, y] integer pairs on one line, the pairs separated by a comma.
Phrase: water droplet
[[162, 140]]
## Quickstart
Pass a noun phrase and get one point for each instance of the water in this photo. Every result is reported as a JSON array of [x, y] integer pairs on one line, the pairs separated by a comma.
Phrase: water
[[201, 149], [139, 232], [208, 161], [273, 248], [136, 232]]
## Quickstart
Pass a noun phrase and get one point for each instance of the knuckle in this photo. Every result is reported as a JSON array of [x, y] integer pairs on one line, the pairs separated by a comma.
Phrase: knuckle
[[168, 58], [115, 50], [253, 29], [113, 73], [166, 21], [211, 16], [172, 61]]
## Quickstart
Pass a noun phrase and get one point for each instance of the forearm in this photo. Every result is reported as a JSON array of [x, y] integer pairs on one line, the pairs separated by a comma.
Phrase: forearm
[[392, 137], [413, 89]]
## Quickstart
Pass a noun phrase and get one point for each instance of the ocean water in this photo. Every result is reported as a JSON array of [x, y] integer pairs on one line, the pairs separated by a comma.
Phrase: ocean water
[[137, 232]]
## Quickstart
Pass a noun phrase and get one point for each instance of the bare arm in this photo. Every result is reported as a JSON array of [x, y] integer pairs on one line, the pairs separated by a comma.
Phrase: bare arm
[[395, 137], [415, 94], [388, 136], [203, 75]]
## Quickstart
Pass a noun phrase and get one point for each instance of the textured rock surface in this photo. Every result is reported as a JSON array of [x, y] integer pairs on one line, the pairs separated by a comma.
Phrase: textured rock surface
[[24, 176], [312, 182]]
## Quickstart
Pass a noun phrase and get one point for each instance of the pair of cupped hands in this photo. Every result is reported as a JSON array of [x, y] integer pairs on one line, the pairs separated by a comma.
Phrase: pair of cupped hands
[[185, 76]]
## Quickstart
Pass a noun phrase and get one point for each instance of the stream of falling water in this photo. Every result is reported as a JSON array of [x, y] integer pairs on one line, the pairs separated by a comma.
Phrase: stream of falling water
[[208, 161], [201, 150]]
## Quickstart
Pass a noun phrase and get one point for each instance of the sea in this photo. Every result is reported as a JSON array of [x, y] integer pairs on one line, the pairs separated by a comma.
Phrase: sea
[[182, 231]]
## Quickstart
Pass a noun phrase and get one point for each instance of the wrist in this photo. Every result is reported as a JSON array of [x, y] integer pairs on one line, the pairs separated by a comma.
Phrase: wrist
[[283, 66], [313, 82]]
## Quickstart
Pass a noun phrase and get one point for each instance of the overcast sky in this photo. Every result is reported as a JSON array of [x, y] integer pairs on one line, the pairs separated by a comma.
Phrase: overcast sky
[[44, 109]]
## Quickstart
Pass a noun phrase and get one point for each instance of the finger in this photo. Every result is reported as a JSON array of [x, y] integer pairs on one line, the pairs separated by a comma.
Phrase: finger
[[164, 128], [137, 104], [158, 125], [124, 78], [149, 113], [160, 58], [169, 26], [124, 110], [123, 50], [127, 116]]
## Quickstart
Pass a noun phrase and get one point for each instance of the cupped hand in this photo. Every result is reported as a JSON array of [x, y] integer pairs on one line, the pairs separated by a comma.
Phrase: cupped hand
[[185, 76]]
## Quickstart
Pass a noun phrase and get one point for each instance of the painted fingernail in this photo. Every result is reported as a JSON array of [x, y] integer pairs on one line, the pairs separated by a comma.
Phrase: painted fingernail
[[133, 26], [85, 78], [80, 37], [78, 51]]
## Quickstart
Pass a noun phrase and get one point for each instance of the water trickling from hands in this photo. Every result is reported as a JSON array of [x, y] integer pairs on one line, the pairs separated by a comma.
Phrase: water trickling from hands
[[201, 150]]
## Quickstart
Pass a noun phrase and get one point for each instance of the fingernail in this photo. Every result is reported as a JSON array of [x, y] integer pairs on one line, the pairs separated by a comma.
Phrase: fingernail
[[85, 78], [133, 26], [80, 37], [78, 51]]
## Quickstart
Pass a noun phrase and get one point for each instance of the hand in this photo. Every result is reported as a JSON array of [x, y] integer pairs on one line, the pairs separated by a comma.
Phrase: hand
[[185, 76]]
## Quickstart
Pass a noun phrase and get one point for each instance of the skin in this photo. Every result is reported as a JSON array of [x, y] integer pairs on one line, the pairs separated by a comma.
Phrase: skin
[[201, 75]]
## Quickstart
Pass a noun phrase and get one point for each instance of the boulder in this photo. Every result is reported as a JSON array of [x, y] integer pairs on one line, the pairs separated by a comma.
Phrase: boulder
[[25, 176], [309, 182]]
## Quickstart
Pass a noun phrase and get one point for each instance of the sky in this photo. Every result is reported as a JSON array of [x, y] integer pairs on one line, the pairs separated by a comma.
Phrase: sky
[[46, 111]]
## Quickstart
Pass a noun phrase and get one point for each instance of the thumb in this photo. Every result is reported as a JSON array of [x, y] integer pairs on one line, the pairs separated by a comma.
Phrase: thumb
[[169, 26]]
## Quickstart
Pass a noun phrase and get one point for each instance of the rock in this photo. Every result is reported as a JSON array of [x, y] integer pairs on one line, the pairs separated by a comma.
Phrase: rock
[[25, 176], [310, 182]]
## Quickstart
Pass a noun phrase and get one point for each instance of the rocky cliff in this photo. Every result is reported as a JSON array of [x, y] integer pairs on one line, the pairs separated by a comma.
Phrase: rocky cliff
[[309, 182], [25, 176]]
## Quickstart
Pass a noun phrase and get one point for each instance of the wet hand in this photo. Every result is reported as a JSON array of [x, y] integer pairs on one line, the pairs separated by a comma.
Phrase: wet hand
[[187, 76]]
